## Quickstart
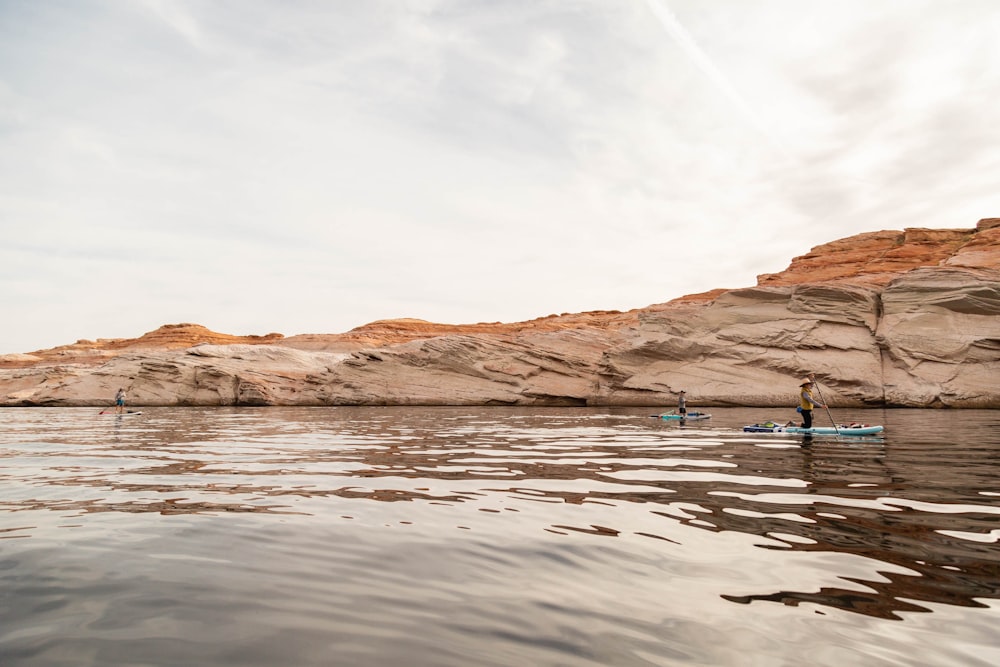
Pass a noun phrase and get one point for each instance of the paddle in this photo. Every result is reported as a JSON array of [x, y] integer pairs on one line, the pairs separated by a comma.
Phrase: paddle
[[827, 406]]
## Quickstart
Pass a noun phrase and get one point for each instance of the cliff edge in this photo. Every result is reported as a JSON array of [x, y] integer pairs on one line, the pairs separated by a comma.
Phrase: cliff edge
[[889, 318]]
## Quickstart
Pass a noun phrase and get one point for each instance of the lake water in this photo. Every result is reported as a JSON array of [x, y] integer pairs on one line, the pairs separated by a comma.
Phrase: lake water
[[495, 536]]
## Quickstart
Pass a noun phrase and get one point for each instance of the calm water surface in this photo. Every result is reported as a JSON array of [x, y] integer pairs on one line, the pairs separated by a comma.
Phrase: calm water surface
[[480, 536]]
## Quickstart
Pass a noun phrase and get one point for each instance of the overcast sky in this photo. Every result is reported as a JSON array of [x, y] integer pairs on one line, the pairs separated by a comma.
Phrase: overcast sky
[[308, 167]]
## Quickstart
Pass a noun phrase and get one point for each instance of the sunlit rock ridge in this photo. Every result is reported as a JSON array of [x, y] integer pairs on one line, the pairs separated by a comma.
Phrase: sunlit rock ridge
[[889, 318]]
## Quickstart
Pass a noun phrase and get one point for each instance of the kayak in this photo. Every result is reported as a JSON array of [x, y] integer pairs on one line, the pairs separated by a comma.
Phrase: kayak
[[846, 429], [691, 416]]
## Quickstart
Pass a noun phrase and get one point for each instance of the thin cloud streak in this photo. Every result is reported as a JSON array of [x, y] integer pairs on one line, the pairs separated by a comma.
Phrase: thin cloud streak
[[701, 59]]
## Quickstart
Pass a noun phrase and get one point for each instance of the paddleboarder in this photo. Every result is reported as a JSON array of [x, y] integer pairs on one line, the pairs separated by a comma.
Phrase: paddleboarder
[[120, 401], [682, 409], [807, 402]]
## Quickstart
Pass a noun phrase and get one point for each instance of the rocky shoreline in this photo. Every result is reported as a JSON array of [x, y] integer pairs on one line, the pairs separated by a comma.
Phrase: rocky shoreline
[[892, 318]]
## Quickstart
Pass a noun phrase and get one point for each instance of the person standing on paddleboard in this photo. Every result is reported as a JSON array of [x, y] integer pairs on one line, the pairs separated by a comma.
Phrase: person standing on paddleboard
[[807, 403], [120, 400], [682, 409]]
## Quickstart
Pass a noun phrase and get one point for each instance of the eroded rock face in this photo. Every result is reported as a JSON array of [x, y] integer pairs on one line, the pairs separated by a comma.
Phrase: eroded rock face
[[751, 347], [908, 318], [940, 336]]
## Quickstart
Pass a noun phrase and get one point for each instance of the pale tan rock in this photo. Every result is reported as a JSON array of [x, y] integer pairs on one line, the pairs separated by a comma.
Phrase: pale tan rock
[[908, 318]]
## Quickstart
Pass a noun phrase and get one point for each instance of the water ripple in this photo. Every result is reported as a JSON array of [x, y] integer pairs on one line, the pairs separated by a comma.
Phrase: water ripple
[[513, 532]]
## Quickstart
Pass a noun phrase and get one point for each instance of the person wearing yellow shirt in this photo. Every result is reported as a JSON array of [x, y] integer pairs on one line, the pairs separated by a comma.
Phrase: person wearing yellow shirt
[[807, 402]]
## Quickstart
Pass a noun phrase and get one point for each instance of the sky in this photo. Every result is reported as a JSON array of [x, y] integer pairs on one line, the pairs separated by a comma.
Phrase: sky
[[294, 166]]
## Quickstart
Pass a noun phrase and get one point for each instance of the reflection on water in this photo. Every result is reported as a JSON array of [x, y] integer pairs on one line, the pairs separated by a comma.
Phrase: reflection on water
[[557, 536]]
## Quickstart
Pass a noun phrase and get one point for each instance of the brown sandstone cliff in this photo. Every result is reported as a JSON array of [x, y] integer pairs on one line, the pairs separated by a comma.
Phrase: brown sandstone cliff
[[886, 318]]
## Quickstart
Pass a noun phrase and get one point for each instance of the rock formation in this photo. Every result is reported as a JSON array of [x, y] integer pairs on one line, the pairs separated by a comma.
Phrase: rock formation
[[893, 318]]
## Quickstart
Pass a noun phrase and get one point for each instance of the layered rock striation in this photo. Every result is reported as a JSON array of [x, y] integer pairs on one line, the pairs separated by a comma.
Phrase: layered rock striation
[[890, 318]]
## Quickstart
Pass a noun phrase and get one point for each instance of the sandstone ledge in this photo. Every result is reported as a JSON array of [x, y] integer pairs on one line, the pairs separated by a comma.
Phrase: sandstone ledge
[[890, 318]]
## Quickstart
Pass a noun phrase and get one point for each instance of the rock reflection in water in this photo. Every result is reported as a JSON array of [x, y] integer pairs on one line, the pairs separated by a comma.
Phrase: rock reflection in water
[[923, 515]]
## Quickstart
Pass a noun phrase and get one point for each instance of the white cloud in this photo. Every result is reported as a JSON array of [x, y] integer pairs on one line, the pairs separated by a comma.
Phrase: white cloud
[[255, 167]]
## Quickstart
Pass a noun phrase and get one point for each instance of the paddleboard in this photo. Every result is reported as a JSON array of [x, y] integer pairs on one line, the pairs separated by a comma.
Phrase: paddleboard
[[816, 430], [691, 416], [128, 413]]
